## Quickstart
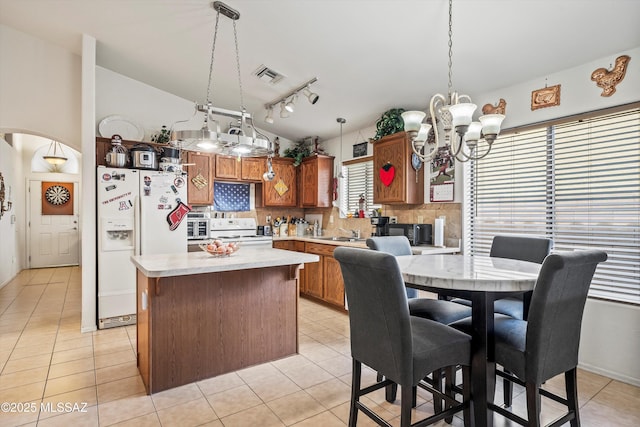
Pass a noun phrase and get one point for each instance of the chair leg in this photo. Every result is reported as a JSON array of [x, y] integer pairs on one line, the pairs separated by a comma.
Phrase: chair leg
[[449, 382], [466, 395], [507, 391], [356, 376], [571, 387], [533, 405], [390, 392], [437, 384], [406, 397]]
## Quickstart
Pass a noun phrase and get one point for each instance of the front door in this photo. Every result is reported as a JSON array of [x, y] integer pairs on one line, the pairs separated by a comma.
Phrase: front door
[[53, 224]]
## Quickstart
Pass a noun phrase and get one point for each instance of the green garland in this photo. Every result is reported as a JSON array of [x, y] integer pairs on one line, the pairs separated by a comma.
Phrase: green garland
[[391, 122]]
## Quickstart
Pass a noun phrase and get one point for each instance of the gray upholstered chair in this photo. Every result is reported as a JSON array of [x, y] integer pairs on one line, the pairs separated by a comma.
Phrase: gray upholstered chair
[[439, 310], [546, 344], [523, 248], [404, 348]]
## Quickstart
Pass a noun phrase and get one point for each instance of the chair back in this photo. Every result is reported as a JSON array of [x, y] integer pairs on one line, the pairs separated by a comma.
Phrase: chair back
[[532, 249], [394, 245], [555, 316], [379, 318]]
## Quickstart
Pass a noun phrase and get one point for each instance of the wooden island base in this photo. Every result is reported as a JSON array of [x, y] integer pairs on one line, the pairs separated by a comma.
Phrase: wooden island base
[[193, 327]]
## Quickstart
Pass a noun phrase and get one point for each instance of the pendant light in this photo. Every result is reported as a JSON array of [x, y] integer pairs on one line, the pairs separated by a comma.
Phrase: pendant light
[[455, 113], [57, 157], [341, 121], [248, 141]]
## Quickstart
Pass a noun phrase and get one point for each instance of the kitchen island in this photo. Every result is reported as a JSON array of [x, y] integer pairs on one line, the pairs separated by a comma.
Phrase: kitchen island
[[199, 316]]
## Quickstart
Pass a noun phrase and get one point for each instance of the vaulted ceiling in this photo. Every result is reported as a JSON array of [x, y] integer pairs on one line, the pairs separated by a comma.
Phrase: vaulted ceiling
[[368, 55]]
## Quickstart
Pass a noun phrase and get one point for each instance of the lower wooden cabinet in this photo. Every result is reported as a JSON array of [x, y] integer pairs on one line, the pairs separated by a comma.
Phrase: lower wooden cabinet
[[323, 280]]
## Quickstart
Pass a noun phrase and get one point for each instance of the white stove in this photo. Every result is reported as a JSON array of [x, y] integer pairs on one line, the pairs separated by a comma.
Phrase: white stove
[[241, 230]]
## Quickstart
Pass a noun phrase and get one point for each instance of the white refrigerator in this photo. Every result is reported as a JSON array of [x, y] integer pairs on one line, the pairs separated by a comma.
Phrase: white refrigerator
[[139, 212]]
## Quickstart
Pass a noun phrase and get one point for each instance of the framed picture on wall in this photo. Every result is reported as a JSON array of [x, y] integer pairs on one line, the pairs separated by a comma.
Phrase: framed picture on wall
[[360, 149]]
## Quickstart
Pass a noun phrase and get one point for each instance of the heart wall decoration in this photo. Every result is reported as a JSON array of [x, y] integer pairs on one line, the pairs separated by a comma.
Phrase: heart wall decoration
[[387, 173]]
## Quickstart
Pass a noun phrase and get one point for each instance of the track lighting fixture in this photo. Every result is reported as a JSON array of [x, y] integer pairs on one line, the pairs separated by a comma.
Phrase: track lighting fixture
[[290, 106], [287, 102], [269, 118], [311, 96], [284, 113]]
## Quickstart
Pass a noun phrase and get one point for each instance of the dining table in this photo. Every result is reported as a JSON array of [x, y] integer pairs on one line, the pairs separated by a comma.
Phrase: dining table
[[482, 280]]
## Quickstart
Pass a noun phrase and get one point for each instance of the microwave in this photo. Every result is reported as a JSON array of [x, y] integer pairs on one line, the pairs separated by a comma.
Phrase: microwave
[[197, 228], [418, 234]]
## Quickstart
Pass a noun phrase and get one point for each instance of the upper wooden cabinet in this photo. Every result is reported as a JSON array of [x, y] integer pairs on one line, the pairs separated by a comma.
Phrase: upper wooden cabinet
[[253, 168], [407, 185], [316, 176], [228, 167], [200, 175], [282, 191]]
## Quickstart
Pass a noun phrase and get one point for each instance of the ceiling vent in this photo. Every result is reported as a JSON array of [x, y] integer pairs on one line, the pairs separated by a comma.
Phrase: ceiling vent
[[268, 75]]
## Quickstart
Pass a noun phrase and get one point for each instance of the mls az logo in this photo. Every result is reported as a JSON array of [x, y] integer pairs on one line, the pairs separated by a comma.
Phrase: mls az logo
[[123, 206]]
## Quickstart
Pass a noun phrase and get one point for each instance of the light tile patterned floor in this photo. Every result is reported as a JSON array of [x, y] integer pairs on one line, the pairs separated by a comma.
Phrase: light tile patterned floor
[[44, 359]]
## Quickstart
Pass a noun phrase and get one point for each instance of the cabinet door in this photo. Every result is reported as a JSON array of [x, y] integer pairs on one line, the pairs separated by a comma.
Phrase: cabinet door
[[309, 183], [200, 178], [253, 168], [228, 167], [313, 278], [406, 186], [282, 190], [333, 283]]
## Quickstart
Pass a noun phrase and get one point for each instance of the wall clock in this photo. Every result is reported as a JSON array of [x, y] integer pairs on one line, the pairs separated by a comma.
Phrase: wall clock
[[57, 195]]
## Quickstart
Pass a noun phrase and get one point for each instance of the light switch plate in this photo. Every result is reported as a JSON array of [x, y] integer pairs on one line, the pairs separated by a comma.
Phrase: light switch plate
[[420, 219]]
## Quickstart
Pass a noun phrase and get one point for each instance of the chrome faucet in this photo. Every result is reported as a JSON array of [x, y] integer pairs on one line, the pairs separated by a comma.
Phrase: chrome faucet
[[355, 234]]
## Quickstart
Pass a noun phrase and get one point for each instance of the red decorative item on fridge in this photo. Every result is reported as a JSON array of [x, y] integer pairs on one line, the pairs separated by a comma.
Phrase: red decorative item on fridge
[[176, 216], [387, 173]]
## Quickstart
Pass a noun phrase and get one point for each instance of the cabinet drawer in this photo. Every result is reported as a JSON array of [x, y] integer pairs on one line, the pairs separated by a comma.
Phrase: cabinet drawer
[[319, 249]]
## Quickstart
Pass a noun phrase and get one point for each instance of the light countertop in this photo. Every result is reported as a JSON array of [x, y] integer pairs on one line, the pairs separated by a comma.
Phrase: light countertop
[[167, 265], [361, 243]]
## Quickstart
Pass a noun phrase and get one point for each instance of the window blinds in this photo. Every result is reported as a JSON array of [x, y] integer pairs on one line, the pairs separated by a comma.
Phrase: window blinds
[[358, 179], [577, 183]]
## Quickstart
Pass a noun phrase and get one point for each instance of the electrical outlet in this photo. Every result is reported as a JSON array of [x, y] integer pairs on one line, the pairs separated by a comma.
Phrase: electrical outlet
[[393, 220], [420, 219], [330, 219]]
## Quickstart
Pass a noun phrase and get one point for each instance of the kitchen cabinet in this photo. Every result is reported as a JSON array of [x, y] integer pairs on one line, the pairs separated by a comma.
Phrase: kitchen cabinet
[[282, 191], [228, 167], [200, 172], [323, 280], [407, 185], [316, 180], [253, 168]]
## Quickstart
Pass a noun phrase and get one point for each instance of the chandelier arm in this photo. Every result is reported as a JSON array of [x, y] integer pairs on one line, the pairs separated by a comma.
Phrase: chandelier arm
[[432, 106]]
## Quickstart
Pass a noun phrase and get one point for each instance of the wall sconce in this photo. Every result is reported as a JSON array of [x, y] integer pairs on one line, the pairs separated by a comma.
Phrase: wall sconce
[[4, 207], [287, 102], [55, 158]]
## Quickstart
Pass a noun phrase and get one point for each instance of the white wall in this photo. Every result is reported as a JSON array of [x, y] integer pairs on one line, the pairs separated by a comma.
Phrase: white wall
[[40, 87], [11, 223]]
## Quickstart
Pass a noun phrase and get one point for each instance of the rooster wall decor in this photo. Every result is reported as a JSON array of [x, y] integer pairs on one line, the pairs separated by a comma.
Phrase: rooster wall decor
[[497, 109], [609, 79]]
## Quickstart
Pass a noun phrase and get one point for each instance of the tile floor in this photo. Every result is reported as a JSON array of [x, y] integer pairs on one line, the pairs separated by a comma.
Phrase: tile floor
[[55, 375]]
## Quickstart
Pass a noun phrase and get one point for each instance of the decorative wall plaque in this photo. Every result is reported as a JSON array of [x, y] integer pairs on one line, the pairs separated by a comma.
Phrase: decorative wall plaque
[[609, 79], [545, 97], [500, 108]]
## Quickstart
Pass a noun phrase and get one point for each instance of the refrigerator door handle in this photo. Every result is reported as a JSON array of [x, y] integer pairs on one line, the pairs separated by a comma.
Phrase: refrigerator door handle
[[136, 225]]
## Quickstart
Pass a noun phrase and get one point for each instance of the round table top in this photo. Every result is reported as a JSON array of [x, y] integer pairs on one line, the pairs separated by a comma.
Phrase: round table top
[[469, 273]]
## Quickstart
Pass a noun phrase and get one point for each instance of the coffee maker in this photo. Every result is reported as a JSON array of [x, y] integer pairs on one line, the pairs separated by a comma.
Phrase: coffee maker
[[380, 225]]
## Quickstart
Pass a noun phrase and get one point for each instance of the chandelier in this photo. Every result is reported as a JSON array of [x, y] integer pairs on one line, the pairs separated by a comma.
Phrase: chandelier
[[455, 114], [243, 140]]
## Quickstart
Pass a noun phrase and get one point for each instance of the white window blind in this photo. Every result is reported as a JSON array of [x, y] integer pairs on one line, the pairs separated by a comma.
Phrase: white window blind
[[577, 183], [358, 179]]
